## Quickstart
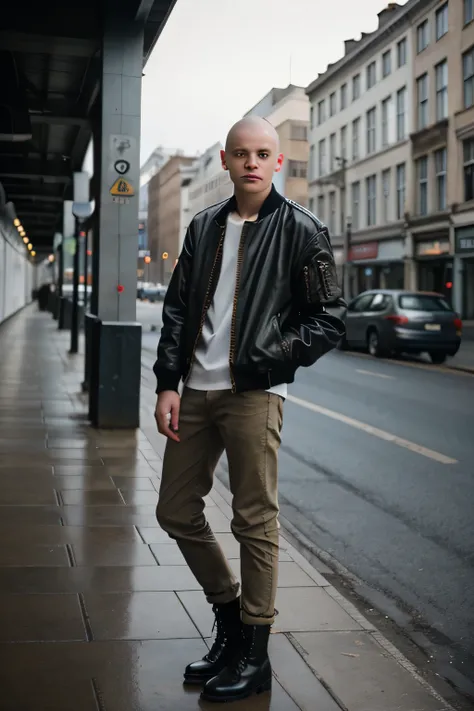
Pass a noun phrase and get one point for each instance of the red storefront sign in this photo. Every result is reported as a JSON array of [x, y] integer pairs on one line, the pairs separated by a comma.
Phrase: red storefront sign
[[367, 250]]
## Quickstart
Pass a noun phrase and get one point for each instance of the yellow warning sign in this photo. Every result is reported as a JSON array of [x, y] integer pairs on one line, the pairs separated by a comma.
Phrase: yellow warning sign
[[122, 187]]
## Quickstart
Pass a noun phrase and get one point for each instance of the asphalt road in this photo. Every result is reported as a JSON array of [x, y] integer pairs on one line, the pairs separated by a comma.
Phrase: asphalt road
[[377, 469]]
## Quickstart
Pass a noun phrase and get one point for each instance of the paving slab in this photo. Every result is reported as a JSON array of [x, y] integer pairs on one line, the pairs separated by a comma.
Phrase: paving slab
[[344, 658], [86, 571]]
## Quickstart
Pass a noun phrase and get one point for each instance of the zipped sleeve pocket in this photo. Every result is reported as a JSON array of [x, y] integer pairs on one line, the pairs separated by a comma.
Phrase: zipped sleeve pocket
[[321, 280]]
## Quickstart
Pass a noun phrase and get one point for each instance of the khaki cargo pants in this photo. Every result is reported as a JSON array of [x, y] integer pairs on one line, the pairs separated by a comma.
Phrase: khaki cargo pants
[[247, 426]]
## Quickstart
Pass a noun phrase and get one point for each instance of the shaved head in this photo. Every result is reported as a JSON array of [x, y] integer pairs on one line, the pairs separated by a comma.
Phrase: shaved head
[[252, 155], [255, 125]]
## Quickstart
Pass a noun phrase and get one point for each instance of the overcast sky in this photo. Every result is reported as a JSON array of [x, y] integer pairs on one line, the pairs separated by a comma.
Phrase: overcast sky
[[216, 58]]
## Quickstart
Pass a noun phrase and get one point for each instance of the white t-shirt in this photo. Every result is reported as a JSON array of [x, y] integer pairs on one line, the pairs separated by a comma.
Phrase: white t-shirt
[[210, 370]]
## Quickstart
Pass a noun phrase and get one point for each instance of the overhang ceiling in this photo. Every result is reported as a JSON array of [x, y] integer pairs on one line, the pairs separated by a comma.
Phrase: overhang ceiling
[[51, 53]]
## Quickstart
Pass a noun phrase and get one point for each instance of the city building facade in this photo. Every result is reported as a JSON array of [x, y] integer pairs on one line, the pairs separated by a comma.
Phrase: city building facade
[[441, 207], [360, 158], [210, 184], [165, 217], [392, 152], [151, 167]]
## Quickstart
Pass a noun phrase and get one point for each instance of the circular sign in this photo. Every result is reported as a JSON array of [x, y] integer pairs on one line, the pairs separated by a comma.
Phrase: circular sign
[[122, 166]]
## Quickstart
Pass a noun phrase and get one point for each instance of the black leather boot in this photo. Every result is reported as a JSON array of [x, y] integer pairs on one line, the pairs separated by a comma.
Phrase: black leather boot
[[248, 673], [228, 639]]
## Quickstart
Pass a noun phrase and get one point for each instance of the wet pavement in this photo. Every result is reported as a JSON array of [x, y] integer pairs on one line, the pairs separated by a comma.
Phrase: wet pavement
[[99, 611]]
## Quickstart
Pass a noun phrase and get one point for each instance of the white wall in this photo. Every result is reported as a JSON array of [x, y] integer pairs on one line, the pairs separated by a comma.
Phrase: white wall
[[16, 272]]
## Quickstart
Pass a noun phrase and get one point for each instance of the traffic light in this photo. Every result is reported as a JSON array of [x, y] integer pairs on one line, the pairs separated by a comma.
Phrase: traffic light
[[147, 259], [165, 255]]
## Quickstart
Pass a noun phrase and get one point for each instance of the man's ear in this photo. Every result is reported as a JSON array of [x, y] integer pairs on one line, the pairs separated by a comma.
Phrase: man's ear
[[280, 160], [223, 160]]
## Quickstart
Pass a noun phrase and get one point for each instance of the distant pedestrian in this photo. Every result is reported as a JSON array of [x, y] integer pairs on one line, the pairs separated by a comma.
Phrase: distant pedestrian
[[245, 309]]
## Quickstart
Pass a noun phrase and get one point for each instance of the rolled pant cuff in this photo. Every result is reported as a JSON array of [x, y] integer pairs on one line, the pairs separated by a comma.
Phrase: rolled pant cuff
[[256, 620], [224, 597]]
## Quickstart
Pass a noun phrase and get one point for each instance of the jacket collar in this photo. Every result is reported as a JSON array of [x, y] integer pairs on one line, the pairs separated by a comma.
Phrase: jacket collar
[[271, 204]]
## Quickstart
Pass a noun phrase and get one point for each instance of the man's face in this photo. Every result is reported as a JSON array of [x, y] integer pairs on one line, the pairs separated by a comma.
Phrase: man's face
[[251, 157]]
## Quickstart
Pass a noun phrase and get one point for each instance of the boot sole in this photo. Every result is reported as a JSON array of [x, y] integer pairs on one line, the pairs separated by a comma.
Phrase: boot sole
[[261, 689], [196, 680]]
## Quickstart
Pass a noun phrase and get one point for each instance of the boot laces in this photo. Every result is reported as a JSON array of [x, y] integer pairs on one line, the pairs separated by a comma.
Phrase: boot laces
[[221, 636]]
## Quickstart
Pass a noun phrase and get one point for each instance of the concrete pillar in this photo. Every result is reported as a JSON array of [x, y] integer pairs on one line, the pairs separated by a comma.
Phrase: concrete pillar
[[116, 348]]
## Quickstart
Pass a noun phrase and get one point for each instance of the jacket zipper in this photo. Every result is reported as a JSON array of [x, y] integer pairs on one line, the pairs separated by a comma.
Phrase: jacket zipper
[[323, 272], [322, 268], [207, 302], [306, 279], [240, 257]]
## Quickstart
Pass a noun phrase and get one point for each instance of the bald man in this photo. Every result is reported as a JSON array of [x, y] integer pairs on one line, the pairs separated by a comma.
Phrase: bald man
[[245, 309]]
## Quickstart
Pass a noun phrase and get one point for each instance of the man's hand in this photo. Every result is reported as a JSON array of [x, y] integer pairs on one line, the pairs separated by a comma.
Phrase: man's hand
[[167, 414]]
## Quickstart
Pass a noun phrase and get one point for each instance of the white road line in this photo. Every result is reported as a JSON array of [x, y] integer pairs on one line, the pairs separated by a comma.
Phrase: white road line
[[428, 367], [376, 375], [375, 431]]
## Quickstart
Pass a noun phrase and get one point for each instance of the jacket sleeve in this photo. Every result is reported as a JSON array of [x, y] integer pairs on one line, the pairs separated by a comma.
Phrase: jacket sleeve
[[167, 367], [312, 331]]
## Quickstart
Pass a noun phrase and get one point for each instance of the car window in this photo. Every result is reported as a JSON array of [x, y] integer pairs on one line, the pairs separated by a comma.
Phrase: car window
[[362, 303], [380, 302], [423, 302]]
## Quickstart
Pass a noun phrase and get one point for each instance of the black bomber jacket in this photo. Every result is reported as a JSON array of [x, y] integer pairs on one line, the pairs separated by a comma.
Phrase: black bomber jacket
[[286, 276]]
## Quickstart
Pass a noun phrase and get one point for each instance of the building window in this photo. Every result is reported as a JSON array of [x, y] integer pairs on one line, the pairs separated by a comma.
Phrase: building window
[[422, 183], [311, 116], [332, 104], [468, 77], [343, 96], [422, 98], [299, 132], [401, 108], [371, 187], [422, 38], [386, 195], [311, 205], [332, 212], [468, 150], [400, 191], [440, 164], [355, 87], [356, 206], [385, 112], [298, 168], [344, 142], [371, 117], [371, 75], [320, 214], [468, 11], [441, 21], [355, 139], [441, 90], [322, 157], [321, 112], [332, 151], [387, 63], [402, 52]]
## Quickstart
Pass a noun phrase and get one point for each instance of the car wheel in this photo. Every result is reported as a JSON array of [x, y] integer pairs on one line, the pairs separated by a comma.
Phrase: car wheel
[[438, 358], [373, 344]]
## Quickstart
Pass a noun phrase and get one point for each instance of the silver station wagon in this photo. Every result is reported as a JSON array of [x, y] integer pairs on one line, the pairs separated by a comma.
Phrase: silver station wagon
[[386, 322]]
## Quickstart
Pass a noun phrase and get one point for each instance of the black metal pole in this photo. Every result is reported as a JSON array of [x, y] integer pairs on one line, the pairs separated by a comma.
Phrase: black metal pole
[[85, 272], [75, 293], [60, 314]]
